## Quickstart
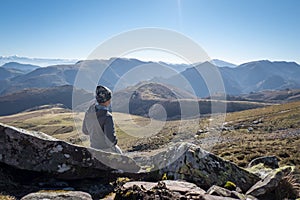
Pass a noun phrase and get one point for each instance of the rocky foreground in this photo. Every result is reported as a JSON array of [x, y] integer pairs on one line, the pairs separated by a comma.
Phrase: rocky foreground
[[36, 166]]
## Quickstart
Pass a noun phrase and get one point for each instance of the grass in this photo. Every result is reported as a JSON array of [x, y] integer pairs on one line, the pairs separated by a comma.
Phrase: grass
[[6, 197]]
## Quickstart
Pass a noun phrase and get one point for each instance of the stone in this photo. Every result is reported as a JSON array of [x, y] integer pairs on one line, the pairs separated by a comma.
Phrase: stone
[[250, 129], [268, 161], [177, 186], [38, 152], [58, 195], [167, 190], [219, 191], [260, 170], [201, 131], [270, 183], [193, 164]]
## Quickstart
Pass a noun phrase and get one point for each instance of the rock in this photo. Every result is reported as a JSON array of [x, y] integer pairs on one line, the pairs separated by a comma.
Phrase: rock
[[167, 190], [219, 191], [250, 129], [268, 161], [260, 170], [58, 195], [193, 164], [177, 186], [268, 185], [257, 121], [39, 152], [201, 131]]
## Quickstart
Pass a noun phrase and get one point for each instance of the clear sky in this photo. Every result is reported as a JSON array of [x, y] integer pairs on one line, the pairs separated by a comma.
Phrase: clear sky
[[236, 31]]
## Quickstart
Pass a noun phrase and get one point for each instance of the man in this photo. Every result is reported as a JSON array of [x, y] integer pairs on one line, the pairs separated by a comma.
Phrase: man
[[98, 122]]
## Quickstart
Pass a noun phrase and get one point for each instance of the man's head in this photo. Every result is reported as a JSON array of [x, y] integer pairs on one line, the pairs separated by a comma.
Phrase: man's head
[[103, 94]]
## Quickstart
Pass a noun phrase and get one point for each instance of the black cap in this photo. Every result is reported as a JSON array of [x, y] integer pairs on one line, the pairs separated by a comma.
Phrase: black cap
[[103, 94]]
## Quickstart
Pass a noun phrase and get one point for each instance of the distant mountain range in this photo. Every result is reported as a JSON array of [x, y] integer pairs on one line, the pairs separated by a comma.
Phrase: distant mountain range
[[43, 62], [249, 77], [120, 73], [117, 71]]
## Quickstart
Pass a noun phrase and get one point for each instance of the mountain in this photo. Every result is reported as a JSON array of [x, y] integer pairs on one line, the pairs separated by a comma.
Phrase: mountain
[[265, 75], [139, 98], [6, 74], [35, 61], [249, 77], [194, 81], [29, 98], [22, 68], [158, 101], [221, 63], [44, 77], [116, 72], [123, 72]]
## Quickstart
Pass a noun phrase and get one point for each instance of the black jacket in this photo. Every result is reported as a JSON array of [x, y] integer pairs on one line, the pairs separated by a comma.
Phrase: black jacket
[[98, 123]]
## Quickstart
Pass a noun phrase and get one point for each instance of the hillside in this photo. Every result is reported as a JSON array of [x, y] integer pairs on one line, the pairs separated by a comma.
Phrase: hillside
[[24, 68], [177, 103], [273, 96], [29, 98], [6, 74]]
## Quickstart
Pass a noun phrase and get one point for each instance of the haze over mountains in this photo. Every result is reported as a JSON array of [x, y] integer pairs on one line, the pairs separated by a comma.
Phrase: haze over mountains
[[249, 77]]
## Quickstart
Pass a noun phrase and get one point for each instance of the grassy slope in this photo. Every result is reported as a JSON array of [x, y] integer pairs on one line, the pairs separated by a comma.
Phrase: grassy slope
[[277, 134]]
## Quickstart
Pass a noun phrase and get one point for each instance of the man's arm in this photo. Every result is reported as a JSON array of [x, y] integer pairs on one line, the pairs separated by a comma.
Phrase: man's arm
[[84, 128], [109, 130]]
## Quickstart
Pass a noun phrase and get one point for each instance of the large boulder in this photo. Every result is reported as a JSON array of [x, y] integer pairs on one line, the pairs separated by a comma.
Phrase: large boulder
[[191, 163], [39, 152]]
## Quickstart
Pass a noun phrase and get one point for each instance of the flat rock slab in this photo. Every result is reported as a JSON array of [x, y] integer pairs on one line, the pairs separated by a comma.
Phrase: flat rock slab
[[177, 186], [166, 189], [58, 195]]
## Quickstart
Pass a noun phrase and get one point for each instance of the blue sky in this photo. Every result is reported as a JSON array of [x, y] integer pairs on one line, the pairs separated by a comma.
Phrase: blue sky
[[237, 31]]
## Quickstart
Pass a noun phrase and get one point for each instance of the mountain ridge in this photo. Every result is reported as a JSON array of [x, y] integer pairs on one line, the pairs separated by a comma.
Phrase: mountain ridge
[[121, 73]]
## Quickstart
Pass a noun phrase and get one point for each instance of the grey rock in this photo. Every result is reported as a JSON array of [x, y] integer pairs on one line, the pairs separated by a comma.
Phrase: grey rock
[[270, 183], [39, 152], [177, 186], [58, 195], [250, 129], [219, 191], [193, 164], [268, 161], [260, 170], [167, 190]]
